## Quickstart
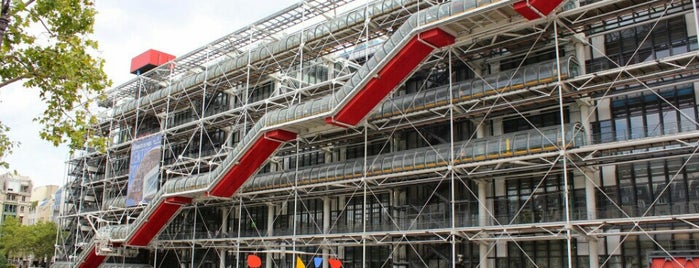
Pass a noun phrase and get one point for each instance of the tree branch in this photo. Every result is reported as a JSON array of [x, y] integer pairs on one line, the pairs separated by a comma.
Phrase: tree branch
[[12, 80]]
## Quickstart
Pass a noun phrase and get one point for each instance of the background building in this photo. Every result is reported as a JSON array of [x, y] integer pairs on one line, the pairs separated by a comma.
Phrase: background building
[[16, 196], [43, 202], [566, 141]]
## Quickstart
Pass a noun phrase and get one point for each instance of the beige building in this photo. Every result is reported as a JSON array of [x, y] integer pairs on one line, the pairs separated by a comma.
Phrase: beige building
[[43, 199], [15, 196]]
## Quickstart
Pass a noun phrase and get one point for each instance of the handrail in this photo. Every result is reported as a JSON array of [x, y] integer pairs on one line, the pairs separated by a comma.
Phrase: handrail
[[473, 89]]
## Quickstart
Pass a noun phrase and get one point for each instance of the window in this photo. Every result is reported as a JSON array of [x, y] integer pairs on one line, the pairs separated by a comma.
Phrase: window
[[352, 218], [544, 119], [307, 158], [212, 142], [542, 253], [669, 37], [253, 222], [422, 80], [652, 188], [11, 208], [147, 126], [647, 114], [217, 103], [532, 200], [433, 135], [181, 226], [121, 134], [261, 92], [309, 216], [658, 187], [513, 63], [180, 117], [376, 256], [374, 148]]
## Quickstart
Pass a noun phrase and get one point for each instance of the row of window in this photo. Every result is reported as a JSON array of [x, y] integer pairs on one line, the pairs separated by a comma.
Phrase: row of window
[[646, 42], [649, 114], [213, 104], [211, 143], [659, 187]]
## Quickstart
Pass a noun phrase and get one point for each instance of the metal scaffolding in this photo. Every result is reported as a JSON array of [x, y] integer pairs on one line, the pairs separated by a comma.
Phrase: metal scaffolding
[[564, 141]]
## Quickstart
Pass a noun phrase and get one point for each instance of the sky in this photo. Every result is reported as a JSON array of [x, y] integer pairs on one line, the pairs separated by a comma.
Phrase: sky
[[123, 30]]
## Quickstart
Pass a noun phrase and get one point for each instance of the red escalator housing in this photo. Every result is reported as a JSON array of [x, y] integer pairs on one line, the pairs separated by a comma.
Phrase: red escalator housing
[[400, 66], [529, 10], [92, 259], [258, 153], [157, 220]]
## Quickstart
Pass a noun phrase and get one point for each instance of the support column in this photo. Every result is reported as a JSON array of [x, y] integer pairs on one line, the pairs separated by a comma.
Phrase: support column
[[590, 194], [270, 219], [497, 127], [224, 233], [328, 154], [593, 244], [591, 207], [326, 228], [270, 232], [581, 50], [584, 107], [483, 221], [225, 212], [481, 126], [482, 203], [341, 249], [221, 258], [483, 255], [397, 201]]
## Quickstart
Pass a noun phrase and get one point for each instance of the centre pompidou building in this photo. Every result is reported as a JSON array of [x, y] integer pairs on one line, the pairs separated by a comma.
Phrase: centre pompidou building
[[403, 133]]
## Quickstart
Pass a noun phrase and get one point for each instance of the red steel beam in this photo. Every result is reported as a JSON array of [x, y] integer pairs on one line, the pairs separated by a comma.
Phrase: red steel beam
[[388, 78], [157, 219], [534, 9], [258, 153]]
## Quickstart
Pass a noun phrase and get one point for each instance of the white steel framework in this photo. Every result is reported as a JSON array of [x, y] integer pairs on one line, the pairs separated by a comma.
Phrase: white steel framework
[[567, 141]]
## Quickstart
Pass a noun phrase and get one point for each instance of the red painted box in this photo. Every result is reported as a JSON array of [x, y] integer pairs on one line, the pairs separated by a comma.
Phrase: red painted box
[[543, 6], [149, 60]]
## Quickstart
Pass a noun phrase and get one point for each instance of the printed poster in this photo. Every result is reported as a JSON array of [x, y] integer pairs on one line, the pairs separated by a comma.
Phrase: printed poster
[[144, 170]]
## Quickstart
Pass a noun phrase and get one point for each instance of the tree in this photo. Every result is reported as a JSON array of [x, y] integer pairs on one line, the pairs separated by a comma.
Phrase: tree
[[21, 241], [45, 45], [14, 238], [43, 236]]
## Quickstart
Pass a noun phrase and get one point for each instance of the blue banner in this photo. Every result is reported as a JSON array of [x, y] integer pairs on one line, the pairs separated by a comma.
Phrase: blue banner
[[58, 199], [144, 170]]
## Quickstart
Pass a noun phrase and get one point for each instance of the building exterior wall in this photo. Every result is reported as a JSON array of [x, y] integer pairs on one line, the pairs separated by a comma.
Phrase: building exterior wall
[[16, 197], [43, 201], [592, 168]]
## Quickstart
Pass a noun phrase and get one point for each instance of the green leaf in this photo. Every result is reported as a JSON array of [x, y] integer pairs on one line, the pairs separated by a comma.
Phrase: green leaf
[[61, 65]]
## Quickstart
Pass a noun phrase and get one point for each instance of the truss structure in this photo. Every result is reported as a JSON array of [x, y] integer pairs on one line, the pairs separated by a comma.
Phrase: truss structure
[[564, 141]]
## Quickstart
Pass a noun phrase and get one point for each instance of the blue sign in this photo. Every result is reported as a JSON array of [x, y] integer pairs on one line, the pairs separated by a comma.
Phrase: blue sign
[[144, 170], [318, 261]]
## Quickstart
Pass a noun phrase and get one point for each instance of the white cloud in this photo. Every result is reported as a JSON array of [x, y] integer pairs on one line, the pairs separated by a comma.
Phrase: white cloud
[[124, 29]]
